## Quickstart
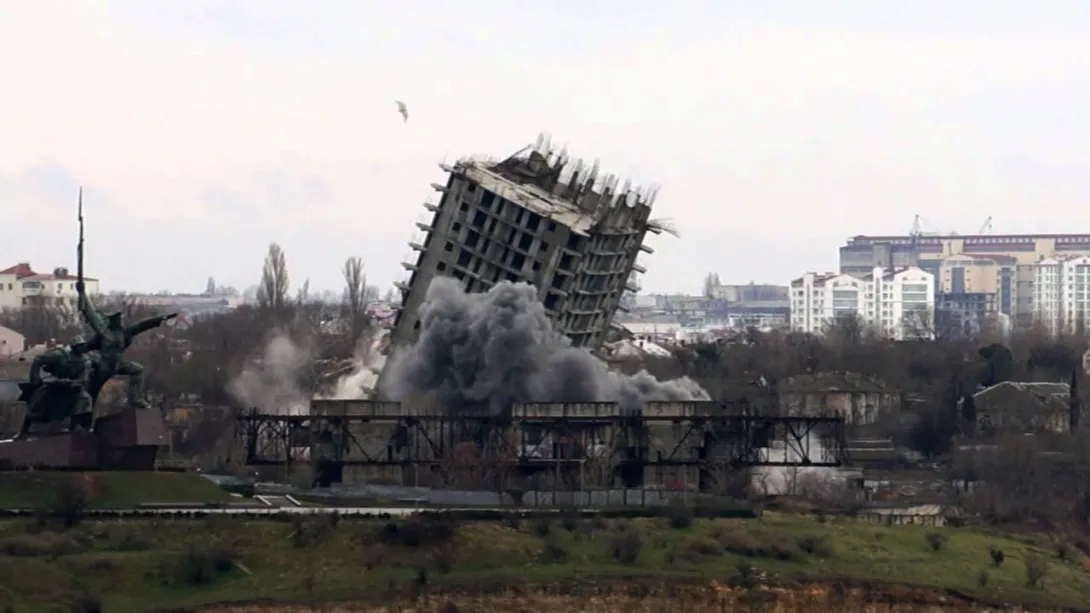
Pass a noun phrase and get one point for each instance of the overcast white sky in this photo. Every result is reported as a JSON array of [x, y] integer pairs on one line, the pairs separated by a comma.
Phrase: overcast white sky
[[204, 129]]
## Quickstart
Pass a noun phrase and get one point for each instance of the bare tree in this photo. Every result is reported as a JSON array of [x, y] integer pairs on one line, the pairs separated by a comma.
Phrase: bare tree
[[355, 283], [210, 287], [711, 281], [272, 293], [355, 297], [846, 329], [919, 325], [303, 296], [41, 320]]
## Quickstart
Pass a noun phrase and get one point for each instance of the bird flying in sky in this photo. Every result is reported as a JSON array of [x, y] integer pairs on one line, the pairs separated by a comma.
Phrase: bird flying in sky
[[401, 108]]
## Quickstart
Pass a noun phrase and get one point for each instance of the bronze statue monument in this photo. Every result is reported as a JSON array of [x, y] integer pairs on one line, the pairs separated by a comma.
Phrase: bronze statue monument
[[79, 371]]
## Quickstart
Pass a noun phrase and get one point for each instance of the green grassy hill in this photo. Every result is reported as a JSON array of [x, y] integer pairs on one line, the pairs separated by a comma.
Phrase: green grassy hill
[[108, 490], [145, 565]]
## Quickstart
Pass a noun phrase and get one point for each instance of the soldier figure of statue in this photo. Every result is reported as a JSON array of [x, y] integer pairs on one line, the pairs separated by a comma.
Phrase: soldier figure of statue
[[65, 396], [112, 337]]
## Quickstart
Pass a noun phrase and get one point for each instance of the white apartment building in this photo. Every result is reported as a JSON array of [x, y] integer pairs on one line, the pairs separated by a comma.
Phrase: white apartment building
[[20, 285], [899, 304], [1061, 294]]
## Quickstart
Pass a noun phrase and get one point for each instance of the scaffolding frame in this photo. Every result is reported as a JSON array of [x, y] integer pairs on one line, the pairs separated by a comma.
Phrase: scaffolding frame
[[590, 438]]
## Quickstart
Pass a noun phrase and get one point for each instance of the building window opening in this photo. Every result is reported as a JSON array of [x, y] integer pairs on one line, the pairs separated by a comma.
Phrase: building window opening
[[525, 241]]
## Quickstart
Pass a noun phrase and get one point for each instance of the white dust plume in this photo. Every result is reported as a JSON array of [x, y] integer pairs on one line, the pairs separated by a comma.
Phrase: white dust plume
[[270, 380], [367, 362]]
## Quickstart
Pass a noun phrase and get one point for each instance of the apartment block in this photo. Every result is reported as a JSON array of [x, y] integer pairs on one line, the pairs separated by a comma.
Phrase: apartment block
[[899, 304], [974, 291], [1061, 294], [861, 253], [536, 217]]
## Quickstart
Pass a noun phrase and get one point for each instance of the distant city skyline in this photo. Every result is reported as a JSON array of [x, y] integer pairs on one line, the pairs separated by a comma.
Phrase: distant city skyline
[[204, 130]]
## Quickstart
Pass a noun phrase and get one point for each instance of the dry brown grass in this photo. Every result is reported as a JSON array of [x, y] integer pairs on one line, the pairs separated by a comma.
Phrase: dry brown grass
[[709, 598]]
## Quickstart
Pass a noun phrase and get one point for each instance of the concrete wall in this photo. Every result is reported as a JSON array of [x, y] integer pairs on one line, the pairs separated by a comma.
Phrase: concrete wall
[[11, 342], [857, 407], [555, 410]]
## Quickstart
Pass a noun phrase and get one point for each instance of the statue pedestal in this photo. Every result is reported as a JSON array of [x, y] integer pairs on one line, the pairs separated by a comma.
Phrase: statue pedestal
[[130, 439], [66, 450], [127, 440]]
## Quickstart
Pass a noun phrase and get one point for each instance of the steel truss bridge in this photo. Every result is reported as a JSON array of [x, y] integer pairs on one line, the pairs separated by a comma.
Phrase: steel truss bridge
[[576, 443]]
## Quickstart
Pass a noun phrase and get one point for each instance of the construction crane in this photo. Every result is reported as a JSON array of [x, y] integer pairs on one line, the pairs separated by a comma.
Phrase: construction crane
[[917, 228]]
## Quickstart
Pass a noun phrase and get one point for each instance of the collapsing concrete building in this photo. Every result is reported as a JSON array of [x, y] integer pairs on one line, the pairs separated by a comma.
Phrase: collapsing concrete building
[[539, 218]]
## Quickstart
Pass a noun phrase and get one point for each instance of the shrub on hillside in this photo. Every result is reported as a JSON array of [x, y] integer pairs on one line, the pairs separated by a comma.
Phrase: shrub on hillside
[[816, 546], [680, 517], [1036, 569], [935, 540], [70, 503], [743, 543], [199, 566], [44, 544], [415, 533], [553, 551], [626, 546], [86, 604]]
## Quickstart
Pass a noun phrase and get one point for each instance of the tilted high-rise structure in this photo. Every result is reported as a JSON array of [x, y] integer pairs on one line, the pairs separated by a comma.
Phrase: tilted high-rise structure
[[535, 217]]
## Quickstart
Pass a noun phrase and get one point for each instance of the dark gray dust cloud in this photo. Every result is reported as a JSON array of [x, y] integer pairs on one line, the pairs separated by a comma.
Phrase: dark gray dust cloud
[[499, 348]]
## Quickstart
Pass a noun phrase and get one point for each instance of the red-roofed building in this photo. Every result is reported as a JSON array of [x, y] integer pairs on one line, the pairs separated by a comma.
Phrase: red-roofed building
[[21, 285]]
